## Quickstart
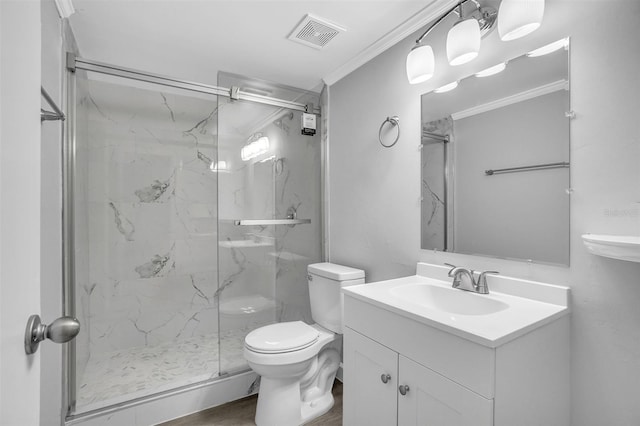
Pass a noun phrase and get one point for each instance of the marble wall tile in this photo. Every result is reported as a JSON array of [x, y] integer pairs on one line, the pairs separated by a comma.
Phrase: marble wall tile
[[149, 208]]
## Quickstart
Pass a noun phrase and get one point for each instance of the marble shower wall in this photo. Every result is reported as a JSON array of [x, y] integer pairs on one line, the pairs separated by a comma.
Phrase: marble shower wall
[[146, 216], [264, 267], [298, 186]]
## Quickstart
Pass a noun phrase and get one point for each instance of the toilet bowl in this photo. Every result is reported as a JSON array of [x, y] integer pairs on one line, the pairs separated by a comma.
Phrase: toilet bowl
[[298, 362]]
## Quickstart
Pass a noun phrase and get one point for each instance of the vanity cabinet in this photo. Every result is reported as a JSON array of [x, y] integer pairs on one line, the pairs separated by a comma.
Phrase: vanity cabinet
[[451, 380], [371, 401], [383, 387]]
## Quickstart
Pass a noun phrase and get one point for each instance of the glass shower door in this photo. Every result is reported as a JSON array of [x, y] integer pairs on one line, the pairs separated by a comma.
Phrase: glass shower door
[[145, 242], [267, 170]]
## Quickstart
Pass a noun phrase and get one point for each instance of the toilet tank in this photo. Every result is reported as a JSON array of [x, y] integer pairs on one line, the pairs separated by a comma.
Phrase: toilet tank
[[325, 283]]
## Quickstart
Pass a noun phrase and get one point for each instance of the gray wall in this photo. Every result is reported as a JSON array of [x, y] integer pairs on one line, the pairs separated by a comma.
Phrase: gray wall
[[374, 192]]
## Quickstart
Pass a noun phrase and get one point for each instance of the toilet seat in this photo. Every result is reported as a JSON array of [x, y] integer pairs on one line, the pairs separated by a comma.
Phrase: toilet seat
[[281, 338]]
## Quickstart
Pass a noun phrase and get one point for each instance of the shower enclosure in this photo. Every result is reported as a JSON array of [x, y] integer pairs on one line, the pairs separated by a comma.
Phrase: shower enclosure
[[192, 212]]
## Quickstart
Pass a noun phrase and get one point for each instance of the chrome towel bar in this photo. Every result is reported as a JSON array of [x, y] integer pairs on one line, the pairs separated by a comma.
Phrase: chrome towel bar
[[492, 172]]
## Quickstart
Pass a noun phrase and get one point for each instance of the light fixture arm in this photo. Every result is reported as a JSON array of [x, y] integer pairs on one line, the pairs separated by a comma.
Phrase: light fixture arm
[[459, 4], [486, 17]]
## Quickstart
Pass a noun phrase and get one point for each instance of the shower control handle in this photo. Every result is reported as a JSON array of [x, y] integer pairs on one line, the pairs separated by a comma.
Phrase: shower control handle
[[61, 330], [385, 378]]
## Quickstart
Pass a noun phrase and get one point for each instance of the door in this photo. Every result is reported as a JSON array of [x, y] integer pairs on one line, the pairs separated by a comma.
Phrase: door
[[269, 226], [434, 400], [19, 208], [370, 382]]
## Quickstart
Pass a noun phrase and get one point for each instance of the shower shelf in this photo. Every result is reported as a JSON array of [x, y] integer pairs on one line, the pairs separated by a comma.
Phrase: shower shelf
[[245, 244], [613, 246], [288, 256], [268, 222]]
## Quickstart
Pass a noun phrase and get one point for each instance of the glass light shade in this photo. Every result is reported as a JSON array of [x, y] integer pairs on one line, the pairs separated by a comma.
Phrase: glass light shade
[[420, 64], [254, 149], [446, 87], [517, 18], [463, 42], [492, 70], [218, 166], [549, 48]]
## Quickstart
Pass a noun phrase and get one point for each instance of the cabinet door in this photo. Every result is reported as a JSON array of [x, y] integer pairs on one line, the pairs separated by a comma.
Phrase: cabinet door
[[434, 400], [367, 399]]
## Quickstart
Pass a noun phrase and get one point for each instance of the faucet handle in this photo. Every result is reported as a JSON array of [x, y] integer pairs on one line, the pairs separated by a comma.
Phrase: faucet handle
[[452, 267], [482, 274], [482, 281]]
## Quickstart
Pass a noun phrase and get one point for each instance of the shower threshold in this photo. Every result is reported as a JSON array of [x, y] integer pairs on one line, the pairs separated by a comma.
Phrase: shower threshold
[[119, 376]]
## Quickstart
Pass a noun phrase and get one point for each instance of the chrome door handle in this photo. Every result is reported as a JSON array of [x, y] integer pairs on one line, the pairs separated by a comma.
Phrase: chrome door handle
[[60, 331], [403, 389], [385, 378]]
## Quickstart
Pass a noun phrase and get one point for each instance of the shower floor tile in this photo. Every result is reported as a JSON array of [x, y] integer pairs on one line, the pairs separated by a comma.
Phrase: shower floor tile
[[115, 377]]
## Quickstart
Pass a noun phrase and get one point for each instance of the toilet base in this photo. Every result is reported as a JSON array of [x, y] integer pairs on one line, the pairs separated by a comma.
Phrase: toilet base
[[313, 409], [272, 410]]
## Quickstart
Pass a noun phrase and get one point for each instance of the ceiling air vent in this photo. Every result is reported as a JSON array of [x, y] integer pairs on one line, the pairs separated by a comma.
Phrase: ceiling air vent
[[315, 32]]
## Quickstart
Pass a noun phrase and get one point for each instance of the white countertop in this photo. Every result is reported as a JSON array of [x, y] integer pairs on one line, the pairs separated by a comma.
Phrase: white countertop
[[523, 314]]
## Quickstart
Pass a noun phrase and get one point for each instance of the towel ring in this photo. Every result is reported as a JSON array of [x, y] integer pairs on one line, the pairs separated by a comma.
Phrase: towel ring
[[395, 122]]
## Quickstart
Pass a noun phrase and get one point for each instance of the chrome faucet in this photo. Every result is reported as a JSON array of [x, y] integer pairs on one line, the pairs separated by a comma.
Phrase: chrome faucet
[[464, 279]]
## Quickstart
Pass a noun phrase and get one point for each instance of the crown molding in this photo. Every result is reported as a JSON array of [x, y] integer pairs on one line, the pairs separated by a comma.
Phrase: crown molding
[[434, 10], [65, 8], [513, 99]]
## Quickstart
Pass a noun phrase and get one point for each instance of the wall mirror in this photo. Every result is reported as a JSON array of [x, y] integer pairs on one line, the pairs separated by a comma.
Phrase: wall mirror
[[495, 161]]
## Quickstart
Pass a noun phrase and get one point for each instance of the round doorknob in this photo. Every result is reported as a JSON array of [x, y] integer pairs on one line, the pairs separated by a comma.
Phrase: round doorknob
[[385, 378], [60, 331], [403, 389]]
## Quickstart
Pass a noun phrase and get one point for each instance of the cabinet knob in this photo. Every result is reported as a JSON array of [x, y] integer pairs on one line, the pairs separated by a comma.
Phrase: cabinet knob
[[385, 378], [403, 389]]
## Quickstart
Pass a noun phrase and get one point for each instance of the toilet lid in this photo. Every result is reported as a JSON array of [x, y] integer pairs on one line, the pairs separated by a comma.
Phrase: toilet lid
[[281, 337]]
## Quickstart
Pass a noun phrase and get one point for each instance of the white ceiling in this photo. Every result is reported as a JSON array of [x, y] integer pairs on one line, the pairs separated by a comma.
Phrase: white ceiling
[[194, 39]]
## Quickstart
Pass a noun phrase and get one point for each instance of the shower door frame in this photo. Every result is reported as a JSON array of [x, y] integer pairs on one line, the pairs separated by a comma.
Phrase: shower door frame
[[74, 63]]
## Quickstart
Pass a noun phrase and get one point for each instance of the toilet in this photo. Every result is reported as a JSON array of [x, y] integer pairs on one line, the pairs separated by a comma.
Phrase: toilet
[[297, 361]]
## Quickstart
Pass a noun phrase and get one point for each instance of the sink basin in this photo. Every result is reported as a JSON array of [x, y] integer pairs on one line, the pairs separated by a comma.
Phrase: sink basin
[[448, 300], [513, 308]]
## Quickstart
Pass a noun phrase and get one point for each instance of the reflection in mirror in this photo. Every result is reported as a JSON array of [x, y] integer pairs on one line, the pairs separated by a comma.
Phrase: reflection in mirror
[[495, 161]]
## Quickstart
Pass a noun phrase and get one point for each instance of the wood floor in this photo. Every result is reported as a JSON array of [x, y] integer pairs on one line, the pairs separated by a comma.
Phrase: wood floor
[[243, 411]]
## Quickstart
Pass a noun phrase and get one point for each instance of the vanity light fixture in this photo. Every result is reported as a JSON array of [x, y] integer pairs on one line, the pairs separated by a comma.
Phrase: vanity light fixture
[[549, 48], [463, 41], [446, 87], [420, 64], [516, 18], [492, 70]]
